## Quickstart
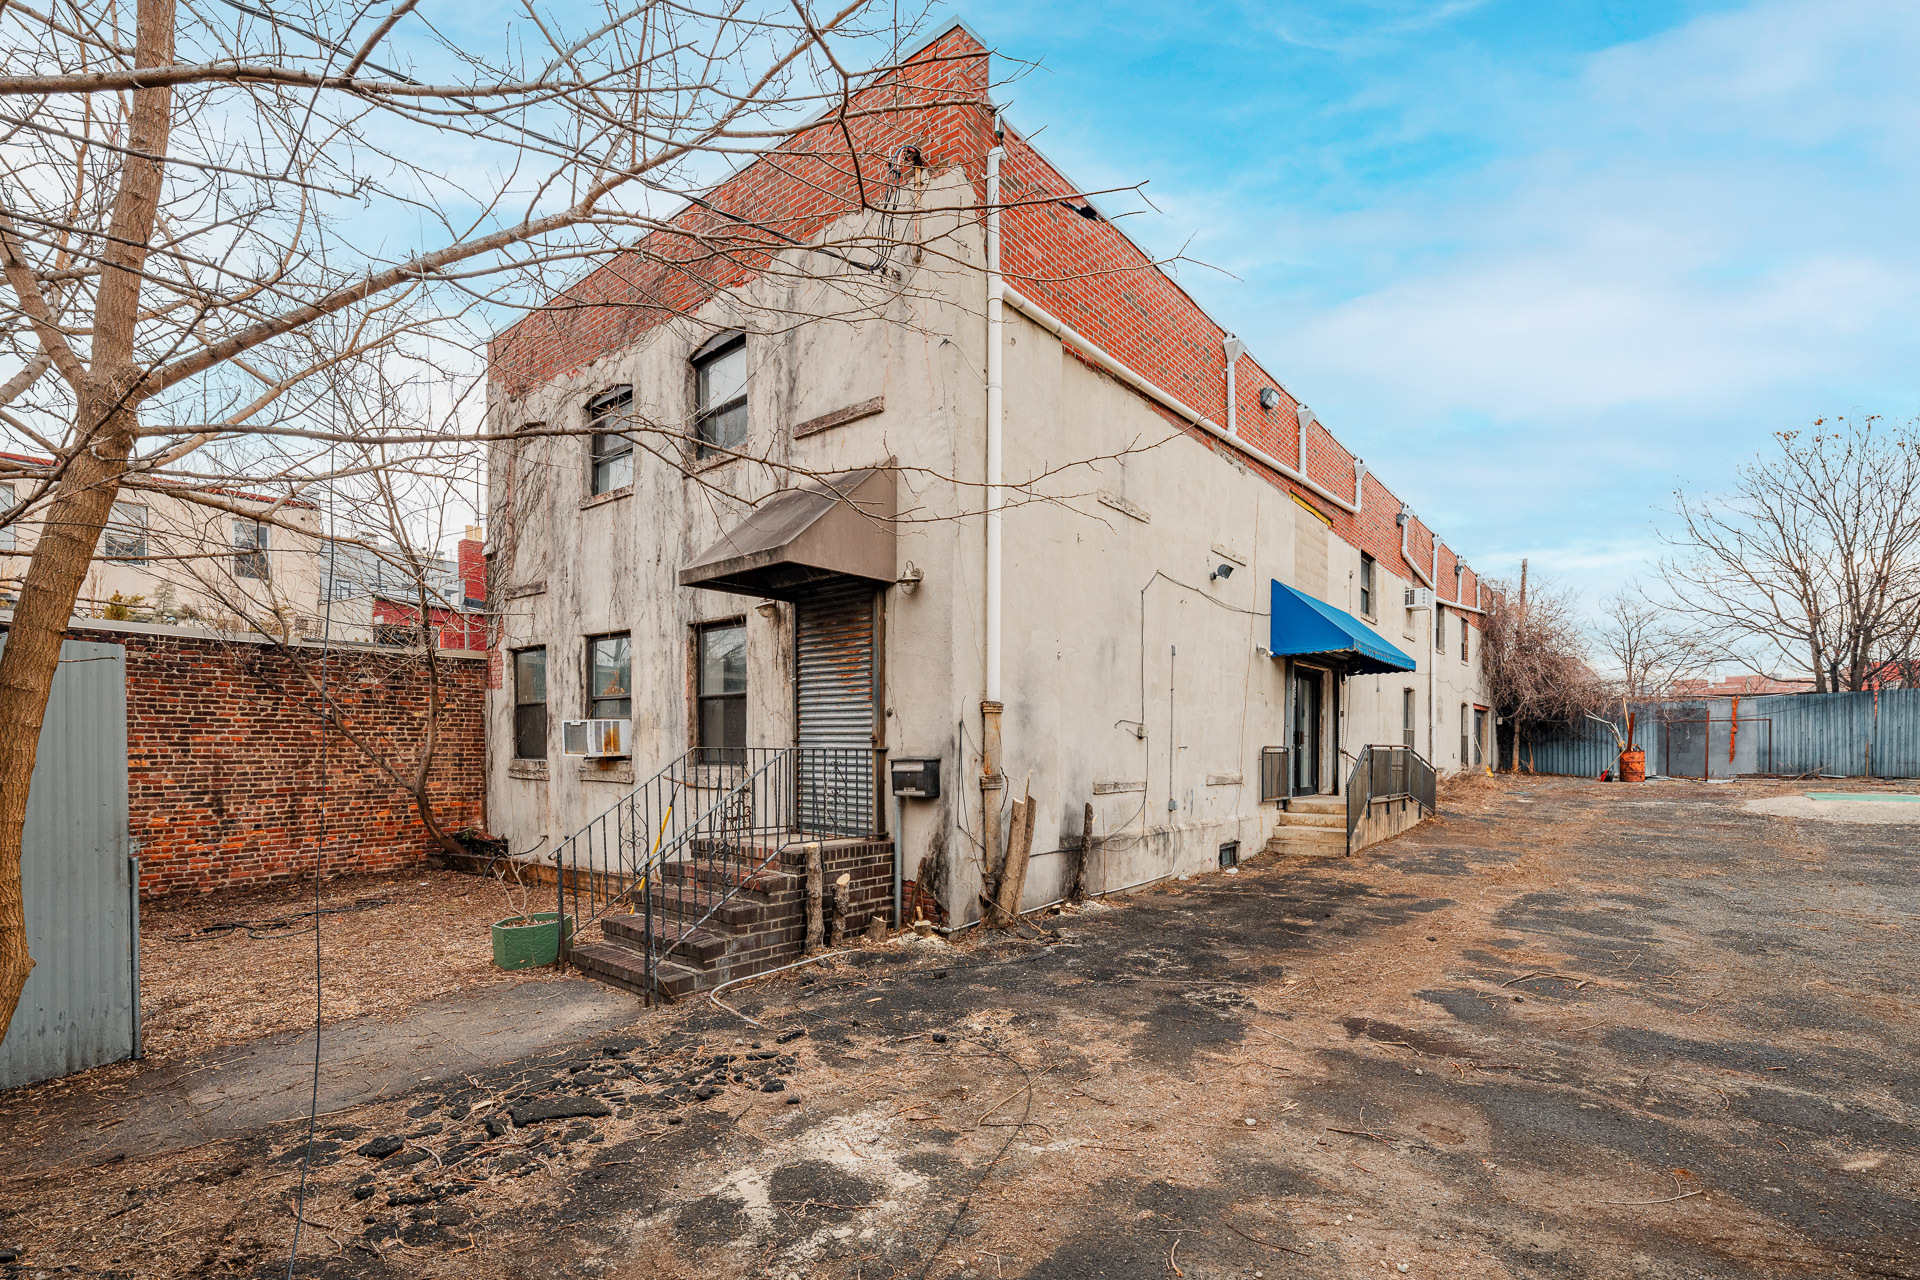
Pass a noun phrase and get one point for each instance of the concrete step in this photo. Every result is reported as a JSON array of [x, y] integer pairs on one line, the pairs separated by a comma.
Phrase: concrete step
[[1317, 804], [1313, 819], [1309, 842], [618, 967], [699, 949]]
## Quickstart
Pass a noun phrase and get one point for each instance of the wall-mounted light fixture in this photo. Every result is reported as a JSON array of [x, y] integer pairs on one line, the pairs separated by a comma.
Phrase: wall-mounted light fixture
[[1223, 572]]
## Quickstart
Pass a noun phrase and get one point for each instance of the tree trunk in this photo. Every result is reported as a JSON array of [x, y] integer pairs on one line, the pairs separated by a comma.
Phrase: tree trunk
[[31, 659]]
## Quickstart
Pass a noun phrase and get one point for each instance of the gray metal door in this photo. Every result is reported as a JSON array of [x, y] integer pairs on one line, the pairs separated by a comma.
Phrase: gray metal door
[[834, 708], [80, 1007]]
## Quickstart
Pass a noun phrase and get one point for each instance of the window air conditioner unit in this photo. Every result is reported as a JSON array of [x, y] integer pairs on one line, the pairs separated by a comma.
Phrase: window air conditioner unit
[[1419, 597], [595, 739]]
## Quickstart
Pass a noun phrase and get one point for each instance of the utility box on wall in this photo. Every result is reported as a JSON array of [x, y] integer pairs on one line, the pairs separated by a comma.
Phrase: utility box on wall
[[916, 779]]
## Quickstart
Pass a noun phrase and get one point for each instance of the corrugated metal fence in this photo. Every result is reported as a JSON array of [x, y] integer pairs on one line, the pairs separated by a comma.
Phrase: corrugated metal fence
[[1840, 735], [80, 1007]]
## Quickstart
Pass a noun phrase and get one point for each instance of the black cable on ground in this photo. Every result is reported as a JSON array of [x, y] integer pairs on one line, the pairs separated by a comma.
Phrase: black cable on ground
[[254, 928], [319, 867]]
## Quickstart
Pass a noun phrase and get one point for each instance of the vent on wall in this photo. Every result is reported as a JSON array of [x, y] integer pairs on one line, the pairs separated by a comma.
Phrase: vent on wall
[[1230, 854]]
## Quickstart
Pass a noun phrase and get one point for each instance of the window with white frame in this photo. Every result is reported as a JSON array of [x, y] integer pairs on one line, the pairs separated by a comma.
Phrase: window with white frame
[[610, 677], [125, 538], [612, 447], [1406, 717], [1366, 584], [250, 550]]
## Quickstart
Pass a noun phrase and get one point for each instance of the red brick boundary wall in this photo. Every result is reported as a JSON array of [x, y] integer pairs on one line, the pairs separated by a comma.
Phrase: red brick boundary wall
[[224, 784]]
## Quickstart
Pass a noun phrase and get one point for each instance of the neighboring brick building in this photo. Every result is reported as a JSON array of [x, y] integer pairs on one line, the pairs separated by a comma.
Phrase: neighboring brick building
[[224, 779]]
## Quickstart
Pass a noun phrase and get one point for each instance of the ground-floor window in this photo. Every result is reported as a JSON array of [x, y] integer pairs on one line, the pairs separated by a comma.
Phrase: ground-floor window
[[720, 691], [1406, 716], [610, 677], [530, 704], [1466, 733]]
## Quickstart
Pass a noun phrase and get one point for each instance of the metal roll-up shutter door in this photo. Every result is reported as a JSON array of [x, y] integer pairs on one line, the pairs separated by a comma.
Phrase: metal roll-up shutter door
[[833, 640]]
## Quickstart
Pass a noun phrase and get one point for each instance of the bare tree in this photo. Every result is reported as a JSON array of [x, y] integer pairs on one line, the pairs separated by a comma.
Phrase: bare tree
[[1650, 646], [1811, 563], [1535, 656], [205, 213]]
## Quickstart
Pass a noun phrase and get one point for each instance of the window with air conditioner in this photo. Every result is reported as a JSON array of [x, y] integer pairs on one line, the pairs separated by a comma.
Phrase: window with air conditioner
[[610, 677]]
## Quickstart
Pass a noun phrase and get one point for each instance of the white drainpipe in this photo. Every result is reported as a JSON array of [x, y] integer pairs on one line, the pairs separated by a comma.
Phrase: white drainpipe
[[1234, 349], [1406, 523], [1305, 418], [996, 326]]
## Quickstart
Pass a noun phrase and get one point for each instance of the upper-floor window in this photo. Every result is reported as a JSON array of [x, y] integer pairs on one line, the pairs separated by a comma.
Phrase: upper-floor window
[[250, 550], [7, 541], [610, 677], [612, 447], [1465, 632], [1439, 629], [530, 704], [126, 537], [720, 395], [1366, 584]]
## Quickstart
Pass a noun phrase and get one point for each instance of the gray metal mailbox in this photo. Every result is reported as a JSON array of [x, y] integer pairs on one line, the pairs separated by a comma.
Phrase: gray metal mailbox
[[917, 779]]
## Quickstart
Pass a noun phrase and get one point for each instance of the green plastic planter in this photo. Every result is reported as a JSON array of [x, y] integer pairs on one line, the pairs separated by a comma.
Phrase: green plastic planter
[[521, 942]]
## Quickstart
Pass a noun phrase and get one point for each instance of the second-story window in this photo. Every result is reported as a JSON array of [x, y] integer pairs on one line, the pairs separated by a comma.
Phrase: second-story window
[[7, 541], [720, 395], [1366, 584], [250, 550], [610, 677], [612, 448], [126, 537], [1465, 631], [1439, 629]]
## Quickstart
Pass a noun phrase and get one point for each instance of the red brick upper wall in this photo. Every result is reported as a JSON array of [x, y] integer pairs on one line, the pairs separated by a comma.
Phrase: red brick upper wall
[[1082, 270], [793, 191]]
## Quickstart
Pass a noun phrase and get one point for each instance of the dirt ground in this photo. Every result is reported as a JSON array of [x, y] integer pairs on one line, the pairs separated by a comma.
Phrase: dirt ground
[[227, 968], [1569, 1029]]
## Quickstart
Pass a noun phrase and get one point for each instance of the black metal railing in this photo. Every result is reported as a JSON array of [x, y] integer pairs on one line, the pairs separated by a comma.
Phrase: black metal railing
[[1386, 773], [1276, 774], [682, 844]]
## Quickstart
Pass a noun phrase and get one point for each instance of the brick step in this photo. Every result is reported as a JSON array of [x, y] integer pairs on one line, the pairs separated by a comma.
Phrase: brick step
[[746, 874], [617, 966], [682, 900], [697, 950]]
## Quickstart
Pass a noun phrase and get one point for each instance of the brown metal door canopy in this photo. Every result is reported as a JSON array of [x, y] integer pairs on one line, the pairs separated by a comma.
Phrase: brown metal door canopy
[[798, 538]]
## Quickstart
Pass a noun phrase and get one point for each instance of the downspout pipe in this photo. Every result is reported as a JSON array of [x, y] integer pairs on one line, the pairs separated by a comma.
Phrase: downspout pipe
[[1233, 349], [1127, 377], [991, 777], [1305, 419], [1405, 520]]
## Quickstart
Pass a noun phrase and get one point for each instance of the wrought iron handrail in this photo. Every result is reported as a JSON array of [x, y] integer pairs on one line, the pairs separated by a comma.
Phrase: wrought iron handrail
[[680, 846], [1386, 772]]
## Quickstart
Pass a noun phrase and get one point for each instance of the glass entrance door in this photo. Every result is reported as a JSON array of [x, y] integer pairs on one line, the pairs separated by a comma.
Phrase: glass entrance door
[[1306, 732]]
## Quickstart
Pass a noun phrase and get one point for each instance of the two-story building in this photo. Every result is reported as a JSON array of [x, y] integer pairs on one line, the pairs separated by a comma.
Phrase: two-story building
[[953, 472]]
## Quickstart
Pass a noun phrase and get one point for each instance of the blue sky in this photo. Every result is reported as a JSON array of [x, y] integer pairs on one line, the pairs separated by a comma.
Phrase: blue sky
[[1537, 262]]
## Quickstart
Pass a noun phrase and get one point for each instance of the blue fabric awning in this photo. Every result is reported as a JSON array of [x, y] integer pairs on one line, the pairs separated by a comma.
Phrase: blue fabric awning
[[1307, 628]]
